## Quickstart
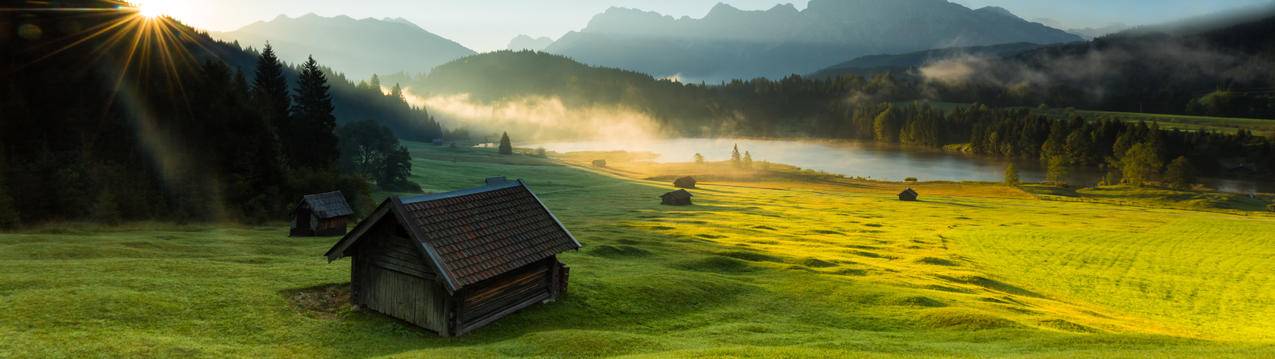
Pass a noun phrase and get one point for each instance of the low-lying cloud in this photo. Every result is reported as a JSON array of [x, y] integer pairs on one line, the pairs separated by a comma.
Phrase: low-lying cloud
[[1091, 72], [538, 118]]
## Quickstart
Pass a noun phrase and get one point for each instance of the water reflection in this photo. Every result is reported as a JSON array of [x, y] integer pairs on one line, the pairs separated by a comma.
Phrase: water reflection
[[855, 159]]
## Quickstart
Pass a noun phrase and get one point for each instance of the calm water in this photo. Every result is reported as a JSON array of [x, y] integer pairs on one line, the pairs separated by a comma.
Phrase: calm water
[[858, 160]]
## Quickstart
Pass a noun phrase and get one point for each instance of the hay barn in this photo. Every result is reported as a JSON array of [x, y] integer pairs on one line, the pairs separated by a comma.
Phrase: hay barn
[[677, 198], [322, 214], [687, 182], [908, 195], [455, 262], [600, 163]]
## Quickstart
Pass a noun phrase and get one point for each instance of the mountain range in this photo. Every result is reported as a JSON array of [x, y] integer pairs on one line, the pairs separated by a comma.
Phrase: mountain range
[[344, 43], [729, 43], [524, 42]]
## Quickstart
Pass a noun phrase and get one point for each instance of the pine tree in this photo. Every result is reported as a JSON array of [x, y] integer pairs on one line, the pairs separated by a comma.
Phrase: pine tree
[[735, 159], [699, 159], [313, 121], [1011, 175], [506, 147], [270, 96], [1180, 173], [375, 84], [396, 93], [748, 160]]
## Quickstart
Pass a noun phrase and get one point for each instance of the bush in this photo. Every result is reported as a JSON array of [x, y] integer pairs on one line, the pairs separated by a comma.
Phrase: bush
[[910, 179]]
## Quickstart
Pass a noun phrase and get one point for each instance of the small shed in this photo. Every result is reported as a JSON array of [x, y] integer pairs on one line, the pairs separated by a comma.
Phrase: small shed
[[321, 215], [600, 163], [908, 195], [677, 198], [437, 142], [455, 262], [684, 182]]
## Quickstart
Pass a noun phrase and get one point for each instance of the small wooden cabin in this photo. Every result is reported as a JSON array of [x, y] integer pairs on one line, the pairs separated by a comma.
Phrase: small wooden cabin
[[600, 163], [455, 262], [687, 182], [677, 198], [908, 195], [320, 215]]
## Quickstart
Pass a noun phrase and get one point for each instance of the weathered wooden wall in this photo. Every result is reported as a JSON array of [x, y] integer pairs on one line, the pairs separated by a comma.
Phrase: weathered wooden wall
[[504, 294], [389, 275]]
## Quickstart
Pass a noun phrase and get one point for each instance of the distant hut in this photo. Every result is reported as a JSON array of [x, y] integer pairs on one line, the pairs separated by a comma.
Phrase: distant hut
[[908, 195], [437, 142], [677, 198], [455, 262], [323, 214], [684, 182]]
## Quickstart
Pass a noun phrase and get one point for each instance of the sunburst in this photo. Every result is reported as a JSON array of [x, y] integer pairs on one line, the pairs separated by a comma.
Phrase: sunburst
[[132, 43]]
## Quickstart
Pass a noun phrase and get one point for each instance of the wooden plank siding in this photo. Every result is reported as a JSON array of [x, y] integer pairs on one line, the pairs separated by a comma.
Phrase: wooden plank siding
[[500, 293], [390, 276], [413, 299]]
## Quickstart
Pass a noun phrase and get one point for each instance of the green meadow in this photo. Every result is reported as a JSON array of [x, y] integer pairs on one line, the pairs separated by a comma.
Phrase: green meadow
[[759, 267]]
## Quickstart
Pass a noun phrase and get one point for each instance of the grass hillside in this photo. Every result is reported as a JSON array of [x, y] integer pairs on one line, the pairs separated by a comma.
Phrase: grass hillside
[[773, 268]]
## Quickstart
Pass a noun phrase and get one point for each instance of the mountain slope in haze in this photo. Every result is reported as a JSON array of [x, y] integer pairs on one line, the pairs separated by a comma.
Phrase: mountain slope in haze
[[358, 48], [866, 65], [730, 43], [524, 42], [1213, 68]]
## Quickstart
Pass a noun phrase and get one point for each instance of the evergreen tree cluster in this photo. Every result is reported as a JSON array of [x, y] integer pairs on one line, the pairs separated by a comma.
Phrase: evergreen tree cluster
[[177, 134]]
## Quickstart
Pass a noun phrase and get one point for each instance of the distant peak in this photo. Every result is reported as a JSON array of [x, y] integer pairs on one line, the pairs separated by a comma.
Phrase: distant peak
[[722, 7], [997, 10], [787, 7]]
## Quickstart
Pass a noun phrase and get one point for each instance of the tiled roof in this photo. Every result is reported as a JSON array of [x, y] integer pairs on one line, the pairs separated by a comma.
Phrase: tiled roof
[[328, 205], [681, 193], [483, 232]]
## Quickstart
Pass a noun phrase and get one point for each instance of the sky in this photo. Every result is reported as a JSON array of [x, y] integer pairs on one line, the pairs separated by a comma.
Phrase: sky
[[486, 25]]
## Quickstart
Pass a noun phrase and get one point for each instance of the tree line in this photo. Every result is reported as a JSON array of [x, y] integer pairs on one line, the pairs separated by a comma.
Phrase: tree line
[[95, 130]]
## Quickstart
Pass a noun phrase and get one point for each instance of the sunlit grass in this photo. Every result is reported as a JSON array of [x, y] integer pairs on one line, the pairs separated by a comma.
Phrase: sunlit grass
[[766, 268]]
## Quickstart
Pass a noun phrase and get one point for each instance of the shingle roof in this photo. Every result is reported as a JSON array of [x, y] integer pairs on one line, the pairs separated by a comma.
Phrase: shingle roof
[[681, 193], [482, 232], [328, 205]]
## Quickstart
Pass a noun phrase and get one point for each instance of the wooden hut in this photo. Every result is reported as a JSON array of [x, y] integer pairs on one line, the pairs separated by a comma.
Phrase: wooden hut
[[322, 214], [677, 198], [600, 163], [455, 262], [684, 182], [908, 195]]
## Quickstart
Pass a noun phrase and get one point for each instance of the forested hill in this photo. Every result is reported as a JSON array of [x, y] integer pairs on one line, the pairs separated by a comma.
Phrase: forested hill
[[902, 63], [1221, 69], [111, 116]]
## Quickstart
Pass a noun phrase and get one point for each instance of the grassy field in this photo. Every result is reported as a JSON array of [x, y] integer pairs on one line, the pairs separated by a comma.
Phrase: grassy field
[[770, 266]]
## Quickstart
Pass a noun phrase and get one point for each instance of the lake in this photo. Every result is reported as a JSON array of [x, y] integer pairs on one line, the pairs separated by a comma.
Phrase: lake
[[854, 159]]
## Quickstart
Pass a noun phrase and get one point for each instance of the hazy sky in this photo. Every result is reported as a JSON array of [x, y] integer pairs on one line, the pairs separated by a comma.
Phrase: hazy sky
[[485, 25]]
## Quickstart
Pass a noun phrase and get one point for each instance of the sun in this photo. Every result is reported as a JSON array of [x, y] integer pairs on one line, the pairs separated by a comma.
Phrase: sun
[[152, 9]]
